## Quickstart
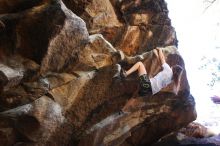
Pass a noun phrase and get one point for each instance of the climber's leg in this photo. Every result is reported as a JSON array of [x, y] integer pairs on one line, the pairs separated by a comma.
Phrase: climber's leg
[[145, 85], [138, 66]]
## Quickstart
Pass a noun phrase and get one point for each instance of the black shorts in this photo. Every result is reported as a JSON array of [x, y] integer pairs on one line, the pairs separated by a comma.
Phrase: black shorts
[[145, 85]]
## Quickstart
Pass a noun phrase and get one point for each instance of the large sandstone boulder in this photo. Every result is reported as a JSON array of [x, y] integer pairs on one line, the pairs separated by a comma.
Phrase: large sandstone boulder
[[44, 33], [145, 20], [57, 70]]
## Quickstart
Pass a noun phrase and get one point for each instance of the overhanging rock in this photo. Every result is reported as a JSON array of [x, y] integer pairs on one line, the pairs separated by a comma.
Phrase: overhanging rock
[[61, 90]]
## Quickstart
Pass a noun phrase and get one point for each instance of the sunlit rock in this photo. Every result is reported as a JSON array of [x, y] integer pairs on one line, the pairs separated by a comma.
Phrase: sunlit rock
[[65, 65], [99, 53], [150, 18], [98, 14], [129, 44]]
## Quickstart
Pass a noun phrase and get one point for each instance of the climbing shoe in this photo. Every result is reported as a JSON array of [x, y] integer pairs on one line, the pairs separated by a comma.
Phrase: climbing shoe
[[123, 74]]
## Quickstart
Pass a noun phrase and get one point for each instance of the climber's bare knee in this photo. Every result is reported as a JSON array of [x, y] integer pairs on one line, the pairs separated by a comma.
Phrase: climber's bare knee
[[141, 69]]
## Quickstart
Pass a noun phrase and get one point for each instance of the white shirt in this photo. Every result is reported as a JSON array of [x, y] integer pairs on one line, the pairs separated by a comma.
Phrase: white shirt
[[162, 79]]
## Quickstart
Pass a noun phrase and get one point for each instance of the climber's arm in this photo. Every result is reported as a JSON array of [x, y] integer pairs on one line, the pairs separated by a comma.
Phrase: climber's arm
[[161, 56]]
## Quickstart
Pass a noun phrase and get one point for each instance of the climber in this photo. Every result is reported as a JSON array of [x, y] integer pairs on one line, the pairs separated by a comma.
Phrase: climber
[[150, 86]]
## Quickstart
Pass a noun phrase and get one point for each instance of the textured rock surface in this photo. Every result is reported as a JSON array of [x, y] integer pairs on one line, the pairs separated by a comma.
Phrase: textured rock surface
[[145, 20], [182, 140], [197, 130], [193, 134], [48, 40], [57, 69]]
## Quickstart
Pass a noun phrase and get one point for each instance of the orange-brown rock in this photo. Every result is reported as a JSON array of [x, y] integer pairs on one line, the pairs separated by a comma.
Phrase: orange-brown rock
[[57, 76], [146, 21], [98, 53], [129, 44], [134, 126]]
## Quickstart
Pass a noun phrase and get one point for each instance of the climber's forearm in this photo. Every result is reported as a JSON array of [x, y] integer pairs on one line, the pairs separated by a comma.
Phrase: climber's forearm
[[161, 56]]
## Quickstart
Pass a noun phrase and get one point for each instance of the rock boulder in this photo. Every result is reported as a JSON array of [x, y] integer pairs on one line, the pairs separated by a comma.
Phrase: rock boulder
[[57, 70]]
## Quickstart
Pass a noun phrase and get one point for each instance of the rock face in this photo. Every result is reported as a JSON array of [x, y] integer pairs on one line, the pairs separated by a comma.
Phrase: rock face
[[192, 134], [145, 20], [57, 69], [35, 34]]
